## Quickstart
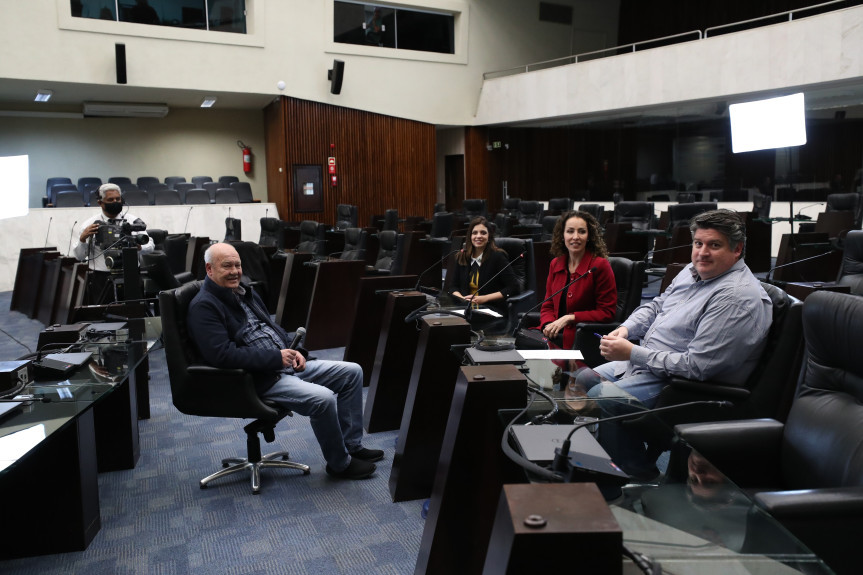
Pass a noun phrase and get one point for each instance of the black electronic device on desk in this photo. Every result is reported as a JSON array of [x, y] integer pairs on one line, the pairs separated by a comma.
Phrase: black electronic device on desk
[[14, 375], [59, 365]]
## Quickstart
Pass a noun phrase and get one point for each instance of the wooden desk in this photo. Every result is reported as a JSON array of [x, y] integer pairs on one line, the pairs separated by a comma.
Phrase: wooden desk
[[471, 470], [427, 406], [333, 296], [801, 290], [296, 294], [388, 386]]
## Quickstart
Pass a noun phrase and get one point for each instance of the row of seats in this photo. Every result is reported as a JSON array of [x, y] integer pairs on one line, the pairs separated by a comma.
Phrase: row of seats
[[87, 188], [159, 195]]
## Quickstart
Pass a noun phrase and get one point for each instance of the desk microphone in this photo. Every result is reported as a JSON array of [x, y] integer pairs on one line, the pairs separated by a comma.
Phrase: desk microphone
[[800, 214], [298, 338], [562, 464], [572, 281], [467, 309], [189, 213], [672, 248], [770, 271], [71, 235], [48, 231], [437, 263]]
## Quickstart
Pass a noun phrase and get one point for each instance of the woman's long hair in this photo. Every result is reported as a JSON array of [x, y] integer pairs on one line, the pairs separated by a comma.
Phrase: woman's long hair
[[466, 254], [595, 241]]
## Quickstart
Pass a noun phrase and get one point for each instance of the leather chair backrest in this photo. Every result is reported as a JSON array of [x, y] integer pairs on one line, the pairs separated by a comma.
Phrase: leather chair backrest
[[680, 214], [172, 181], [243, 190], [60, 187], [761, 205], [629, 278], [523, 268], [347, 216], [271, 233], [596, 210], [639, 214], [391, 220], [439, 208], [388, 244], [559, 205], [136, 198], [158, 236], [226, 196], [821, 443], [530, 212], [176, 247], [355, 244], [233, 229], [180, 351], [156, 265], [166, 198], [199, 181], [548, 223], [474, 207], [503, 225], [851, 272], [85, 184], [309, 237], [511, 204], [68, 199], [773, 381], [441, 225], [849, 202], [53, 181], [226, 181]]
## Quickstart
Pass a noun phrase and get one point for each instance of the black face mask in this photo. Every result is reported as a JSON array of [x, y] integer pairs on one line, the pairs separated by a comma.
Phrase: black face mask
[[113, 208]]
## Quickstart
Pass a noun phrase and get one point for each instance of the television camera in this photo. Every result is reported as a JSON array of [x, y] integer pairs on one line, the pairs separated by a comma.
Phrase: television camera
[[112, 238]]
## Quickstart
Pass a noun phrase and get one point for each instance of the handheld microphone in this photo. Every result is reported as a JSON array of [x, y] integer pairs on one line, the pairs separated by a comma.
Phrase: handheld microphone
[[71, 235], [562, 463], [572, 281], [770, 271], [298, 338], [437, 263], [189, 213], [51, 219], [467, 309]]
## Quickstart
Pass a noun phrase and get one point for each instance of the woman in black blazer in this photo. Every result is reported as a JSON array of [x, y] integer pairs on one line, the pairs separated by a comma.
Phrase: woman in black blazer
[[480, 261]]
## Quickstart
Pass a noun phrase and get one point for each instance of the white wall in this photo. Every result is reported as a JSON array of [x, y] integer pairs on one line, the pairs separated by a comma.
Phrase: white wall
[[808, 52], [187, 142]]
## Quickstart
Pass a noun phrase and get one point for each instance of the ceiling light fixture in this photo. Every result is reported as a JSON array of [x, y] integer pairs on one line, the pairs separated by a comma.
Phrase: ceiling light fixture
[[43, 95], [209, 102]]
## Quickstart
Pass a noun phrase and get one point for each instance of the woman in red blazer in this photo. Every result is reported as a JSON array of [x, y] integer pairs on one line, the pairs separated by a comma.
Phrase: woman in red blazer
[[578, 246]]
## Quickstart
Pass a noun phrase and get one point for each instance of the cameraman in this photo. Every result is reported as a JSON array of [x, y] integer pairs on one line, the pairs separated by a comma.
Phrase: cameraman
[[87, 249]]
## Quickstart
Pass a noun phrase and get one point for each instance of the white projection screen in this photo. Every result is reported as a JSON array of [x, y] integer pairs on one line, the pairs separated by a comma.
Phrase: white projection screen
[[768, 124], [15, 175]]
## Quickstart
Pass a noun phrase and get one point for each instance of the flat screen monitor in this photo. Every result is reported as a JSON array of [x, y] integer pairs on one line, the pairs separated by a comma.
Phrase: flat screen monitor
[[768, 124]]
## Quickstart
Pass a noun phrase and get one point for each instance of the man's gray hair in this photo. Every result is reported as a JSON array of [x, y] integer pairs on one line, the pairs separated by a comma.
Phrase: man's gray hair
[[107, 188], [727, 222]]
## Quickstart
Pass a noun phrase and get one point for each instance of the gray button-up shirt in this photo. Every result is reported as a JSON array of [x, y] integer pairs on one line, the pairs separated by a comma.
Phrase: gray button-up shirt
[[702, 329]]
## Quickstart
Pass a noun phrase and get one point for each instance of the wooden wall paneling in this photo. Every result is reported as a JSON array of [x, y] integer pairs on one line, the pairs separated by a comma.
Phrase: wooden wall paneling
[[277, 172], [381, 162]]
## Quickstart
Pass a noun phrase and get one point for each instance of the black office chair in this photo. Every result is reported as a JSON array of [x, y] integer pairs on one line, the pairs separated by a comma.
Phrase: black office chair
[[355, 245], [851, 270], [50, 182], [389, 242], [136, 198], [158, 236], [504, 224], [441, 227], [557, 206], [474, 208], [761, 206], [525, 274], [809, 470], [166, 198], [68, 199], [157, 274], [510, 206], [391, 220], [233, 229], [347, 216], [56, 189], [312, 238], [198, 389], [639, 214], [87, 184], [529, 213], [596, 210], [272, 233]]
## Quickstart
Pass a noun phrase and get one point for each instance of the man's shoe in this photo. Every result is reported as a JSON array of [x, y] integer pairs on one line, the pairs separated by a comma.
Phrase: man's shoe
[[368, 454], [357, 469]]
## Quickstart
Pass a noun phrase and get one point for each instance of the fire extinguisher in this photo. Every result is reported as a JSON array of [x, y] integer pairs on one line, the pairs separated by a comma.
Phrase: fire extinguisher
[[247, 156]]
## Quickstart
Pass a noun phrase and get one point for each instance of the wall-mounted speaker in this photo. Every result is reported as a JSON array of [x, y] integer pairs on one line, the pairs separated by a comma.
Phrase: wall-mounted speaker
[[335, 76], [120, 54]]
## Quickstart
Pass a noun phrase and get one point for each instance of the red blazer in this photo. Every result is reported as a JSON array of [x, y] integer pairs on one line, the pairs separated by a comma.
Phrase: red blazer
[[592, 299]]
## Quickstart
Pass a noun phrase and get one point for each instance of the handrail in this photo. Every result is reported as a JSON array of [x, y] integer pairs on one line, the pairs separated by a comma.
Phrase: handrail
[[574, 59], [789, 14]]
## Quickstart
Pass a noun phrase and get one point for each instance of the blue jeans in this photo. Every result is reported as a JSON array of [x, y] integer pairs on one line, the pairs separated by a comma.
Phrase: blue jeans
[[644, 387], [330, 393]]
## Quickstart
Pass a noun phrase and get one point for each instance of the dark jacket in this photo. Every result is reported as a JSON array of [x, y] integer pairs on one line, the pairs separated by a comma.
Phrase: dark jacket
[[217, 322]]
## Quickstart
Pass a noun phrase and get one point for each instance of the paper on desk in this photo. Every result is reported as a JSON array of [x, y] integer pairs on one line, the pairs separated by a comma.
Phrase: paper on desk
[[550, 354], [482, 310]]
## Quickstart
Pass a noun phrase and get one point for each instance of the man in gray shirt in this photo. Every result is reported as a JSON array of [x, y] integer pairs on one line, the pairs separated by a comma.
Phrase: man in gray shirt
[[710, 323]]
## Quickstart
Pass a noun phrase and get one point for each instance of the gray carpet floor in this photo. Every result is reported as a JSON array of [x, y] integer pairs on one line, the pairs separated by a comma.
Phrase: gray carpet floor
[[156, 520]]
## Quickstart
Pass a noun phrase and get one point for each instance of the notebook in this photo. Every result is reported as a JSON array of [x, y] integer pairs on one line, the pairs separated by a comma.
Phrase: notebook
[[478, 356]]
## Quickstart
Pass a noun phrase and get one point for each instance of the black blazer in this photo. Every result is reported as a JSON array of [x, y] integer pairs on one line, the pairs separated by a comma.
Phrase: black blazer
[[492, 263]]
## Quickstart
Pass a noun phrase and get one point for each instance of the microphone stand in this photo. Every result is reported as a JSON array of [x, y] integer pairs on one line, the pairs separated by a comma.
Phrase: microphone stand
[[468, 308], [572, 281]]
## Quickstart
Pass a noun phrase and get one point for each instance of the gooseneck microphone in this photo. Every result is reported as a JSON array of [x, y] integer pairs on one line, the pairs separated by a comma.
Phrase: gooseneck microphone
[[71, 235], [434, 265], [650, 253], [467, 309], [561, 463], [770, 271], [298, 338], [572, 281], [48, 231], [189, 213]]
